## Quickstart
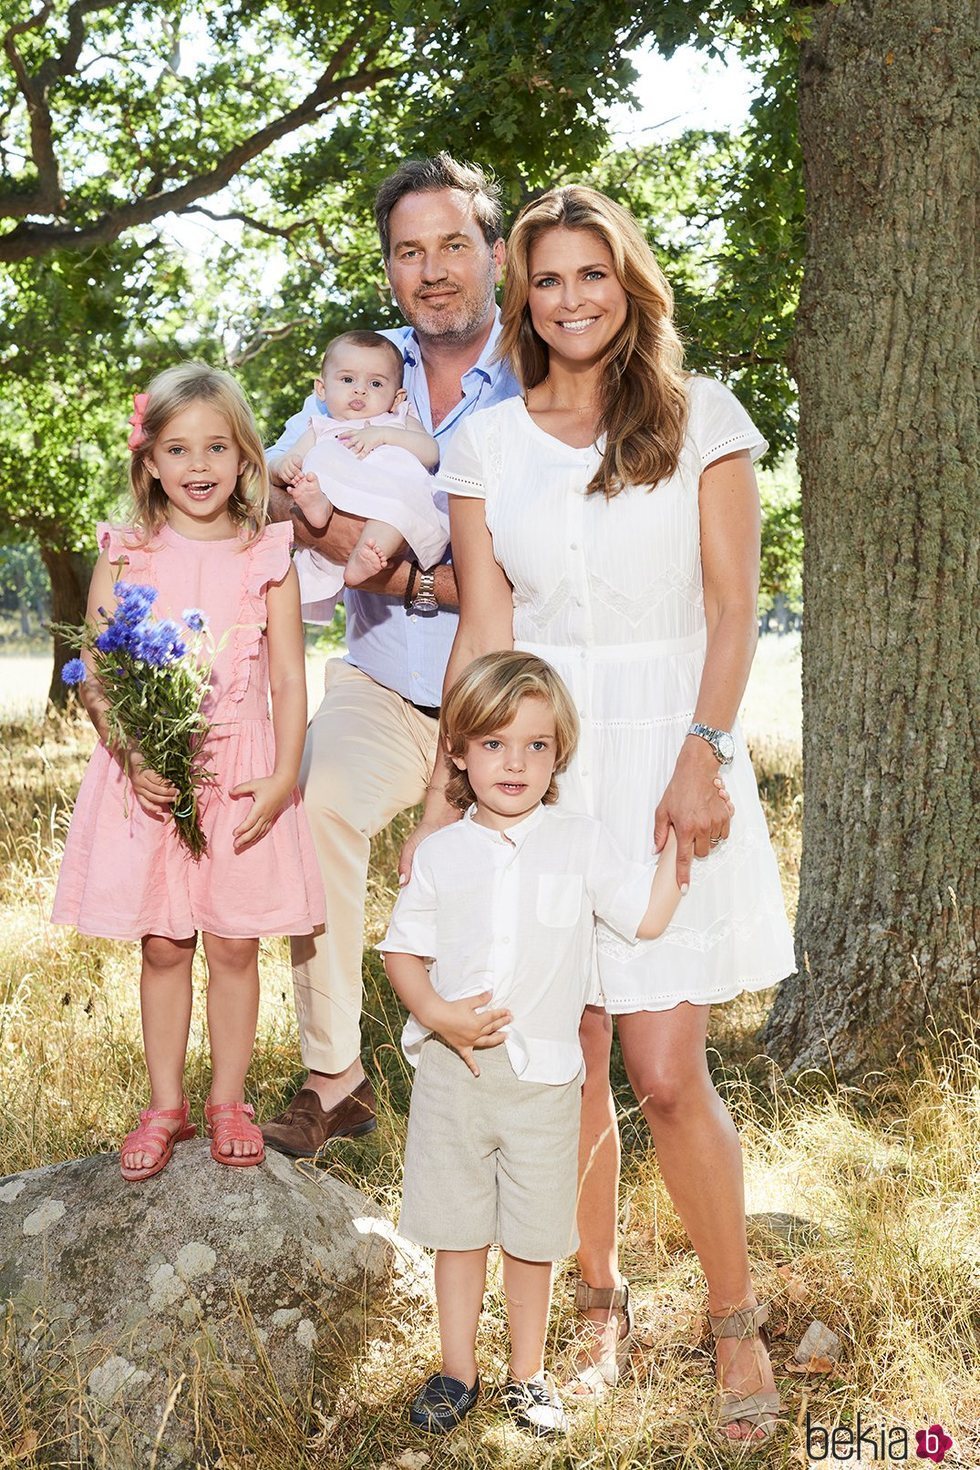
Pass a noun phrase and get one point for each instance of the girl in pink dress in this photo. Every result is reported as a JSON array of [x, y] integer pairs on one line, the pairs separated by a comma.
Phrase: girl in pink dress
[[199, 537]]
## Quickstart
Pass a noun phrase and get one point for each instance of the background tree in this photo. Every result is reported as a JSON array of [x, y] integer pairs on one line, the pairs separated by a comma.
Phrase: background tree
[[888, 913]]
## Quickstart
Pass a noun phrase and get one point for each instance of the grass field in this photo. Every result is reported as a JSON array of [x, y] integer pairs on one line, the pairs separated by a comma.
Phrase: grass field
[[888, 1178]]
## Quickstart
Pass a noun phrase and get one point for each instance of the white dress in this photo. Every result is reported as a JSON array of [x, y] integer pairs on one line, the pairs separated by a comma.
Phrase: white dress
[[389, 485], [610, 593]]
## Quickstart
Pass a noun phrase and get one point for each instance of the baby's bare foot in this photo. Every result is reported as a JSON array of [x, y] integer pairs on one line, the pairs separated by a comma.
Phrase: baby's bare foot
[[311, 500], [364, 562]]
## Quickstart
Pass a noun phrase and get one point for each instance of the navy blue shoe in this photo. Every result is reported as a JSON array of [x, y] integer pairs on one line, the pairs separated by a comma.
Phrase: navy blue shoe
[[442, 1403]]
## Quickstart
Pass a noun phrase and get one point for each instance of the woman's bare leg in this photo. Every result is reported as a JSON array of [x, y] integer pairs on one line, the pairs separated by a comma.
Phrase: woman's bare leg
[[700, 1158], [598, 1169]]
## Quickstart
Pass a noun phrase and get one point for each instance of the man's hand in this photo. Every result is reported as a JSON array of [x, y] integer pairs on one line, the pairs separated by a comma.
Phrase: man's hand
[[362, 441], [467, 1028]]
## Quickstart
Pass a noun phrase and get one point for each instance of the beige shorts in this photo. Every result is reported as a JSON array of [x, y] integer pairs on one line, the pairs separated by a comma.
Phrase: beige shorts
[[490, 1158]]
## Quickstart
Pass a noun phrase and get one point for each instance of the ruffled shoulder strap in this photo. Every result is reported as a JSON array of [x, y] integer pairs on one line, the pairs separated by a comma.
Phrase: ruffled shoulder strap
[[267, 563], [129, 555], [269, 555]]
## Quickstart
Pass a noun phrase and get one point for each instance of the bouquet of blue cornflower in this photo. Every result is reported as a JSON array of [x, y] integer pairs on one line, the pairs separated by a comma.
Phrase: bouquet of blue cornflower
[[154, 684]]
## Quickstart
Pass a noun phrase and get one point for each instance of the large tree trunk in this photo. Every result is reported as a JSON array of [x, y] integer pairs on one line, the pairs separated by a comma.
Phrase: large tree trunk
[[887, 926], [70, 573]]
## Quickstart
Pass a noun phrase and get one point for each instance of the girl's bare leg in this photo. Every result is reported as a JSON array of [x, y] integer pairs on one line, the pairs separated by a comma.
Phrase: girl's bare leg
[[700, 1158], [375, 546], [233, 1010], [460, 1280], [165, 1006]]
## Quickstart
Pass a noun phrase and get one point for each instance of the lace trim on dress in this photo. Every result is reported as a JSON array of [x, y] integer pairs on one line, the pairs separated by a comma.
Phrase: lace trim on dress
[[743, 438], [268, 561], [677, 584], [463, 480]]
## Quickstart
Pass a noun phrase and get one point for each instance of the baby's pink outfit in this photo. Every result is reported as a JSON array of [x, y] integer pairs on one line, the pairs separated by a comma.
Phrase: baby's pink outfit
[[124, 873], [389, 485]]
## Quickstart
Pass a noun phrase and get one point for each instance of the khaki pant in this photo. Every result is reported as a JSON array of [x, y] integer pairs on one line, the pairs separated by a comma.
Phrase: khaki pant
[[368, 756]]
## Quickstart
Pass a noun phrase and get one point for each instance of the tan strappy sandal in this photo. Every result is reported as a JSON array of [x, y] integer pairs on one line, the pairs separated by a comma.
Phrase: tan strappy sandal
[[761, 1410], [597, 1377]]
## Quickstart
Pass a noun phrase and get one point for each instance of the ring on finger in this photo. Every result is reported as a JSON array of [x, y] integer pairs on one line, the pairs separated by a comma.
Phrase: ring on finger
[[713, 841]]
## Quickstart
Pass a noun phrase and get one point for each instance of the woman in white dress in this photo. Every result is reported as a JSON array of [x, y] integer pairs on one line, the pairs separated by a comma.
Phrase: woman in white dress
[[609, 521]]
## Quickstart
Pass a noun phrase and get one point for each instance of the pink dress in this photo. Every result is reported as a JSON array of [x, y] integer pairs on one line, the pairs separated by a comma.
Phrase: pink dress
[[124, 873], [388, 485]]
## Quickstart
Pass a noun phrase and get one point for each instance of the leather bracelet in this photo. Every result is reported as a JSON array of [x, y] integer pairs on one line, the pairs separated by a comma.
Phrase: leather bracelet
[[413, 571]]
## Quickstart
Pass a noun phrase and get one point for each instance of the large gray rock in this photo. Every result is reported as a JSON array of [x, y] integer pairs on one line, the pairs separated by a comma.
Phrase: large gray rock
[[118, 1288]]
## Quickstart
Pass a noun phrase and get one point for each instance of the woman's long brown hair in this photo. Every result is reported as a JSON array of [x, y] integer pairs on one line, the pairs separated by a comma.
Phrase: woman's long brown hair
[[643, 398]]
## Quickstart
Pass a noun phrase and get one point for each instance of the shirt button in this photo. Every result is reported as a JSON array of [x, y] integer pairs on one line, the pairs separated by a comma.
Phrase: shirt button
[[416, 674], [505, 939], [573, 545]]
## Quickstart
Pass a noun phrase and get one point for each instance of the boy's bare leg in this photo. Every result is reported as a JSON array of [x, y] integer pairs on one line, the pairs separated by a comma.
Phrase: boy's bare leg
[[527, 1286], [460, 1280], [376, 545]]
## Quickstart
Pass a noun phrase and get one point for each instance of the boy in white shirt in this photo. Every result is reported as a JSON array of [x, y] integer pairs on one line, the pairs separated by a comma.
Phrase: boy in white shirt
[[490, 949]]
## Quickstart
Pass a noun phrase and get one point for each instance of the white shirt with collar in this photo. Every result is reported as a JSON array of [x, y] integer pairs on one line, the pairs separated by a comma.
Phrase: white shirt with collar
[[514, 913], [405, 651]]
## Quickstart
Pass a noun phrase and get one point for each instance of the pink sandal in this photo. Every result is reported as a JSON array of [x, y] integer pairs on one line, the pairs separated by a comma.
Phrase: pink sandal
[[232, 1123], [153, 1138]]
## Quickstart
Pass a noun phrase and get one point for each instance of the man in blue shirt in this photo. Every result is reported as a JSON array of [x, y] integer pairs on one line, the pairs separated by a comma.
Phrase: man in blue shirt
[[371, 745]]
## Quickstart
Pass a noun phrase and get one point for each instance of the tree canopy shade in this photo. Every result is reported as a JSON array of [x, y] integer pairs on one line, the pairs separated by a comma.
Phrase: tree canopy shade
[[113, 113]]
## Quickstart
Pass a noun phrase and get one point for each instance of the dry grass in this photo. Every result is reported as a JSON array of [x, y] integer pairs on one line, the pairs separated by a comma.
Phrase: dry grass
[[889, 1181]]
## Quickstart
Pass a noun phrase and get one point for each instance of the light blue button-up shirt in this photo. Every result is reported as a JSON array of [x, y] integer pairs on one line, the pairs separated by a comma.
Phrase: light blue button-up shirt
[[405, 651]]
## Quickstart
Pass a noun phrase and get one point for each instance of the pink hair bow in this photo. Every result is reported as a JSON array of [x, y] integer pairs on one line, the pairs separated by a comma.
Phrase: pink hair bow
[[140, 400]]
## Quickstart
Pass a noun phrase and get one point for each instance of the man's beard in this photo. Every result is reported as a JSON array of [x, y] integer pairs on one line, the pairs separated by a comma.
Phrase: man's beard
[[457, 321]]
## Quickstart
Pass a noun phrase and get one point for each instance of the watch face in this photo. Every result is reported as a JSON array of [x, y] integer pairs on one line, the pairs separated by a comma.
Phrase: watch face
[[726, 746]]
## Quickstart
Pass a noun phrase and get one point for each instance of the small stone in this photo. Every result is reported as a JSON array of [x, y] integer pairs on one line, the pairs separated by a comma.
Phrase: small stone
[[306, 1334], [9, 1192], [285, 1317], [195, 1259], [412, 1460], [818, 1341], [45, 1215], [112, 1378]]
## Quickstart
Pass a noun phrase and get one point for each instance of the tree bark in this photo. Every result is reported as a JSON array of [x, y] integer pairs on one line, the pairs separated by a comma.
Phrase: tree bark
[[887, 926], [70, 573]]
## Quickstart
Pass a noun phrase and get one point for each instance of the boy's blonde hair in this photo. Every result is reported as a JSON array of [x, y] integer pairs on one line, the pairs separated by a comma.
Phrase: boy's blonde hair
[[173, 390], [485, 698]]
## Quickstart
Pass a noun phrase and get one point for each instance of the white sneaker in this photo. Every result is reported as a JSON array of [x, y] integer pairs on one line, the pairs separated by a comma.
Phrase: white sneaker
[[533, 1404]]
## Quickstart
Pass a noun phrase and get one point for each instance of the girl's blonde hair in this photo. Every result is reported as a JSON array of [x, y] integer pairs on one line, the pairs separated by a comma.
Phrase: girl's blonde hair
[[485, 698], [643, 398], [173, 390]]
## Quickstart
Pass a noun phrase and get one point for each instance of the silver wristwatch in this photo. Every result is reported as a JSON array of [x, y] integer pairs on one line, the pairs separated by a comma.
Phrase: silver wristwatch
[[425, 598], [722, 742]]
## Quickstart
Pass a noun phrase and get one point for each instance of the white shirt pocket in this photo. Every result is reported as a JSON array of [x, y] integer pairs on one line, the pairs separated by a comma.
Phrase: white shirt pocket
[[559, 899]]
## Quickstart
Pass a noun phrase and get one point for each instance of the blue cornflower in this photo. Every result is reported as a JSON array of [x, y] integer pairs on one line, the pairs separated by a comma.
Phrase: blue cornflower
[[74, 672], [134, 601], [195, 619], [159, 644], [117, 636]]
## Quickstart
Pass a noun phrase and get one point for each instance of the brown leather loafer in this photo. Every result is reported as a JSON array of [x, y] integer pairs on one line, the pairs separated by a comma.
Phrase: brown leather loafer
[[304, 1126]]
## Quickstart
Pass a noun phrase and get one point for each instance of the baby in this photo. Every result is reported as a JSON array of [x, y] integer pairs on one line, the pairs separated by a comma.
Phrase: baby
[[369, 450]]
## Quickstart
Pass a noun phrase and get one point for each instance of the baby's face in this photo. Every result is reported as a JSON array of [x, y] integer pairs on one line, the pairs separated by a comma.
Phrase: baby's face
[[358, 382]]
